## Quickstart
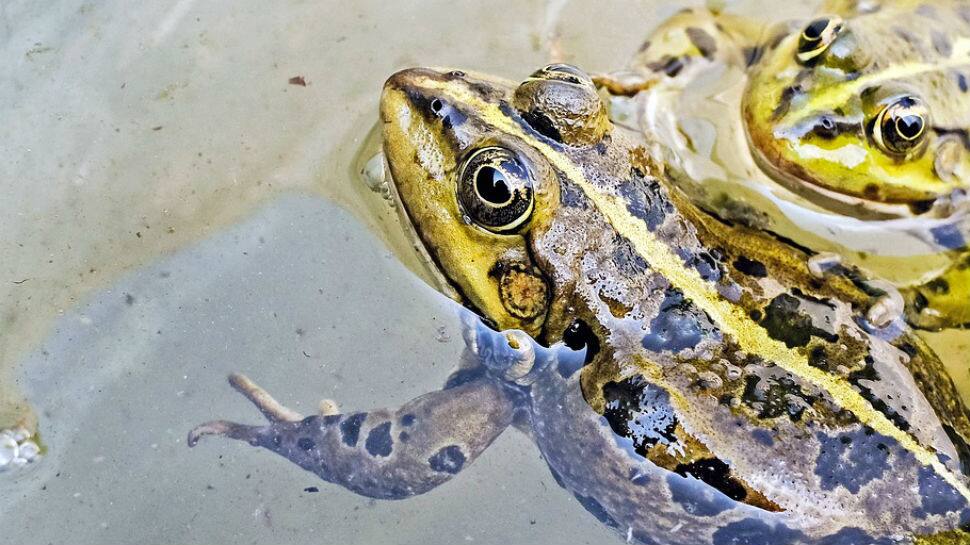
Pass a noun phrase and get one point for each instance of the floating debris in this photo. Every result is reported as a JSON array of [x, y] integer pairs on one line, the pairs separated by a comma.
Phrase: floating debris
[[17, 449]]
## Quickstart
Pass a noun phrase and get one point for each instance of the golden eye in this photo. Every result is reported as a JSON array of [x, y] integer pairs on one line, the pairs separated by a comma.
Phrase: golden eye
[[817, 37], [900, 127], [495, 190]]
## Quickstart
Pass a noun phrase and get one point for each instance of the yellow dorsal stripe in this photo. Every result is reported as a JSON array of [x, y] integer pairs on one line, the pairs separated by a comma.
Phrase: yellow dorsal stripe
[[731, 318], [840, 94]]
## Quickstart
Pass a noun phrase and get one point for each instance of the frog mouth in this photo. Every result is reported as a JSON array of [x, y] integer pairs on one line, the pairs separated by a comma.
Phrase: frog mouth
[[431, 265], [796, 179]]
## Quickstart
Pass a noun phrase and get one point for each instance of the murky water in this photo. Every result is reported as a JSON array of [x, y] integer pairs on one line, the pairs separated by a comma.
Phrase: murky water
[[180, 201]]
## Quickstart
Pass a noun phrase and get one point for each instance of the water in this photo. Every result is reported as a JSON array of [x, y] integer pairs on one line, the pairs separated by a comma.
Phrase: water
[[175, 209]]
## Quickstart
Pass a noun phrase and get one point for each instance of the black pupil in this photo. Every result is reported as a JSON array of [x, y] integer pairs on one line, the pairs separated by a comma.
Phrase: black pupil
[[815, 29], [436, 105], [909, 126], [492, 186]]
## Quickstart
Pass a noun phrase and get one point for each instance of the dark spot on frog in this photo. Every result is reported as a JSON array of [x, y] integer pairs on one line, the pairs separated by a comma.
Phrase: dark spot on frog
[[350, 428], [403, 437], [703, 41], [962, 83], [756, 532], [750, 267], [640, 411], [520, 119], [646, 200], [331, 419], [785, 322], [311, 489], [753, 54], [714, 473], [627, 260], [862, 379], [907, 36], [938, 497], [852, 459], [706, 263], [776, 396], [941, 43], [597, 510], [379, 442], [570, 195], [542, 124], [948, 236], [788, 94], [696, 498], [763, 437], [437, 108], [449, 459], [129, 299], [305, 443], [668, 65], [678, 325], [579, 335], [408, 420]]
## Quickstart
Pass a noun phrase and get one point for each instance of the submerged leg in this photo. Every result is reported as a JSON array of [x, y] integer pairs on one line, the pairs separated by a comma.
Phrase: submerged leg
[[386, 453]]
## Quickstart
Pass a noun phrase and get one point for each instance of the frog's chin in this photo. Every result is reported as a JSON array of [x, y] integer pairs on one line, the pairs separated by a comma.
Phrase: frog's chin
[[797, 180], [431, 267]]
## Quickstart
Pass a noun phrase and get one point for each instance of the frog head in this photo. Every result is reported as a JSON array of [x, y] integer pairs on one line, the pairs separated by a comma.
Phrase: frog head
[[461, 149], [864, 111]]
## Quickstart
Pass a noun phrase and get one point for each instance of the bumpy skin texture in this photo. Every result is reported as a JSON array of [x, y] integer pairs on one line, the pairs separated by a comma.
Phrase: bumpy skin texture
[[725, 394]]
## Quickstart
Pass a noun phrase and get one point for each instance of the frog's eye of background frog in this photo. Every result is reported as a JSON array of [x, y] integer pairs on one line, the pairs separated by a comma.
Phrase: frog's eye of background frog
[[561, 102], [900, 127], [495, 189], [817, 37]]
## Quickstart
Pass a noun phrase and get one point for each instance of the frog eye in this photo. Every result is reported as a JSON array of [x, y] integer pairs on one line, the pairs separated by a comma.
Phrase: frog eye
[[495, 190], [900, 127], [817, 37]]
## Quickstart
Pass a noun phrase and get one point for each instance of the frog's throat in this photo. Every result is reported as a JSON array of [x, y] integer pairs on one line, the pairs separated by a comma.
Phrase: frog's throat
[[731, 318]]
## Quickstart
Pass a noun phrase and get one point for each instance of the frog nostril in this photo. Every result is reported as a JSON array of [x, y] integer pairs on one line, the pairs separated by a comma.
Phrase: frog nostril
[[826, 127]]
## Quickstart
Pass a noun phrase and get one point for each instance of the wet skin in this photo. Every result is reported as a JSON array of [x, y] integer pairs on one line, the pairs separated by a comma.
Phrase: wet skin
[[864, 111], [701, 384]]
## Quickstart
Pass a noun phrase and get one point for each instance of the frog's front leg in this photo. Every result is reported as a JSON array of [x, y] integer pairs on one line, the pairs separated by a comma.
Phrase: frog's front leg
[[384, 453]]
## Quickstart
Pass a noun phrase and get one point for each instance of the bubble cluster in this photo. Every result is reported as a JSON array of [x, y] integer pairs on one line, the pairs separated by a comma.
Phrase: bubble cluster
[[17, 449]]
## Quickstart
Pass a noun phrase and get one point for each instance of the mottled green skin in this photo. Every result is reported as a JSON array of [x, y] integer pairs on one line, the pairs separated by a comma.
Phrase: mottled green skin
[[675, 425]]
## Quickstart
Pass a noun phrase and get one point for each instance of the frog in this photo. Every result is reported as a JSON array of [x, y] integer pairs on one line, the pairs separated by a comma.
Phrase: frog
[[846, 133], [688, 380]]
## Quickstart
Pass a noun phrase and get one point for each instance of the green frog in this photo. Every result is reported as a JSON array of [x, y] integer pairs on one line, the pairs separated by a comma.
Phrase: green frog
[[688, 380], [849, 130]]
